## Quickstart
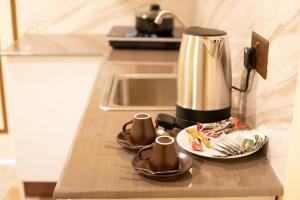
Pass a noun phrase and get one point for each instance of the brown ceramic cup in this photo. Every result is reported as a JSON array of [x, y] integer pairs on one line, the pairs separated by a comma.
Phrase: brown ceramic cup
[[163, 156], [142, 131]]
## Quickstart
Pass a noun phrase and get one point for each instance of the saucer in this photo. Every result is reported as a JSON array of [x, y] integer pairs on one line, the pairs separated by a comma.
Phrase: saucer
[[142, 167], [124, 140]]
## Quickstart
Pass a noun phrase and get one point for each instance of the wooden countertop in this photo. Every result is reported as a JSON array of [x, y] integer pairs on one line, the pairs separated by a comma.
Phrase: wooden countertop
[[97, 167]]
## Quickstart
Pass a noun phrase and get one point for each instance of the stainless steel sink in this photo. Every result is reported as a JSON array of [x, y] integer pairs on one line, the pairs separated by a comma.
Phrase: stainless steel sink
[[141, 92]]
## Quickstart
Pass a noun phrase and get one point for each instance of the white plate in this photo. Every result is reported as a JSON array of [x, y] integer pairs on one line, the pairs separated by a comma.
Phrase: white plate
[[239, 135]]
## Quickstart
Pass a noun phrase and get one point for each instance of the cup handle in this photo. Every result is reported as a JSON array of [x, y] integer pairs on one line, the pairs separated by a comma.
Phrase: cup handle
[[125, 125], [140, 153]]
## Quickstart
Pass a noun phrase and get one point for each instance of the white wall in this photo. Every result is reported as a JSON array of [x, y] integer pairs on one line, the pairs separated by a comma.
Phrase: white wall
[[291, 189], [82, 16]]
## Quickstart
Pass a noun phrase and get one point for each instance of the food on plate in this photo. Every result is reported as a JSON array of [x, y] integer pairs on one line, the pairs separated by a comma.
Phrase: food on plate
[[215, 129], [199, 126], [200, 136], [224, 139], [196, 143], [204, 131], [208, 126], [248, 144]]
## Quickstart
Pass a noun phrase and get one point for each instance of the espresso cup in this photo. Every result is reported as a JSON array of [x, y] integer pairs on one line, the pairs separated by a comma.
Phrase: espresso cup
[[163, 156], [142, 131]]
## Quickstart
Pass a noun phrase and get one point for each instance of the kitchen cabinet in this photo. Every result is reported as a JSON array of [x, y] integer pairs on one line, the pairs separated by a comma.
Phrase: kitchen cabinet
[[47, 80], [46, 96]]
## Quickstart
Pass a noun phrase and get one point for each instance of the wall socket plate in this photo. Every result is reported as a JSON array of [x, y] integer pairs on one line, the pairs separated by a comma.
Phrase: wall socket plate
[[261, 46]]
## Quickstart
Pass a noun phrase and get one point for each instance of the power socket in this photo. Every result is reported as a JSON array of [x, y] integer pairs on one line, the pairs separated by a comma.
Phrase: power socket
[[261, 46]]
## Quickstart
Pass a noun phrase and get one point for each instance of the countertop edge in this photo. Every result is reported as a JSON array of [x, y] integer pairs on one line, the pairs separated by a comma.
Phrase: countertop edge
[[61, 194], [58, 45]]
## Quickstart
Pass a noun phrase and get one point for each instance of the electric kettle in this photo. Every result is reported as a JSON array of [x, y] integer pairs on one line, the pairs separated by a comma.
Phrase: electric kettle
[[203, 79]]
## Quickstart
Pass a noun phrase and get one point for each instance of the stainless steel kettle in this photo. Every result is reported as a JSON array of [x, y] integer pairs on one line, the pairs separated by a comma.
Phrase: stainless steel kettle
[[203, 77]]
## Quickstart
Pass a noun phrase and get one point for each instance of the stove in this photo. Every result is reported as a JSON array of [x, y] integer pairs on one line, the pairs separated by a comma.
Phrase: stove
[[126, 37]]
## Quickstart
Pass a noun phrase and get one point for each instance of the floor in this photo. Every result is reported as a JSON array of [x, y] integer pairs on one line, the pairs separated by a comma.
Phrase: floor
[[14, 192], [10, 186], [7, 164]]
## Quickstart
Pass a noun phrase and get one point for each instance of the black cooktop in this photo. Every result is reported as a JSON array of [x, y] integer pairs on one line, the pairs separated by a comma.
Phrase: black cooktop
[[126, 37]]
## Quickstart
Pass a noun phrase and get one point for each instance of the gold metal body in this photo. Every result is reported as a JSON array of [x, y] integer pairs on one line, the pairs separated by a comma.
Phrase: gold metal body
[[204, 73]]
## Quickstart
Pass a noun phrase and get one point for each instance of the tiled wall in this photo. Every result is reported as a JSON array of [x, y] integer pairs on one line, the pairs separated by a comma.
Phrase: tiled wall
[[270, 102]]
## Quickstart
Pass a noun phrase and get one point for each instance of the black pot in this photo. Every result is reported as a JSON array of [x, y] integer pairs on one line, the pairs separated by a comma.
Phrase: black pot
[[145, 22]]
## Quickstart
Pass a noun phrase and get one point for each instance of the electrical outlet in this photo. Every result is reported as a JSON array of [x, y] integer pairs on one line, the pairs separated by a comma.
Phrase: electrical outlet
[[261, 46]]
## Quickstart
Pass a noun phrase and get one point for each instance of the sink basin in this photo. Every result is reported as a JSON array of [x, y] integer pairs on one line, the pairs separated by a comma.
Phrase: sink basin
[[141, 92]]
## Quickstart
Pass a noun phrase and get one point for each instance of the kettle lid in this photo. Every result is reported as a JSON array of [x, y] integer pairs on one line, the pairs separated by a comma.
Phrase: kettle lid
[[200, 31], [151, 13]]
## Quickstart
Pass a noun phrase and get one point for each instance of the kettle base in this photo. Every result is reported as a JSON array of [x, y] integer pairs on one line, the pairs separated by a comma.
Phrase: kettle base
[[187, 117]]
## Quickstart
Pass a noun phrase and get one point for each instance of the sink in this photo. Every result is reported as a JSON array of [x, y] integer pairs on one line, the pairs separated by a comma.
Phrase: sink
[[141, 92]]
